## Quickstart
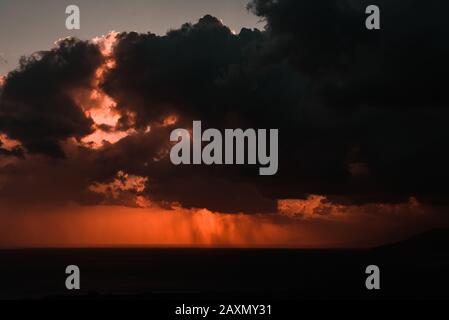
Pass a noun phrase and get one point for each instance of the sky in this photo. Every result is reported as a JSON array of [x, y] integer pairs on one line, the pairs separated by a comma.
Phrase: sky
[[85, 123]]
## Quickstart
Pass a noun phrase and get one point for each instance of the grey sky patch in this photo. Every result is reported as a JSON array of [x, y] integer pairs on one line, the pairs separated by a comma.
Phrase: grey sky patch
[[3, 58]]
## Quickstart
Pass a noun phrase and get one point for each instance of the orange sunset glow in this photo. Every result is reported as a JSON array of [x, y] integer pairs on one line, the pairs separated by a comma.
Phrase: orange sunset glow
[[298, 223]]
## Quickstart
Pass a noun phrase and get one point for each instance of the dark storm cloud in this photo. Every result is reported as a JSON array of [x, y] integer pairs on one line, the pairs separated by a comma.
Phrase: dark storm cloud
[[380, 92], [15, 152], [401, 65], [361, 114], [204, 71], [35, 105], [178, 73]]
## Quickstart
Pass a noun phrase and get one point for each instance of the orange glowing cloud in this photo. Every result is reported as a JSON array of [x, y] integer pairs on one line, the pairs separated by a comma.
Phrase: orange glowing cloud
[[122, 182], [106, 43], [102, 108], [170, 120], [99, 106], [7, 143], [318, 207]]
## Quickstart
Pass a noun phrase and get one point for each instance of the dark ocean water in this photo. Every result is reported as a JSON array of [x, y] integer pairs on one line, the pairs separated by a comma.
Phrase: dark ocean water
[[408, 270]]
